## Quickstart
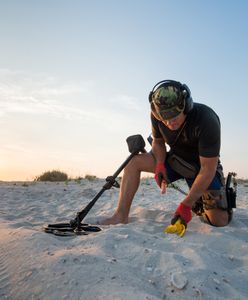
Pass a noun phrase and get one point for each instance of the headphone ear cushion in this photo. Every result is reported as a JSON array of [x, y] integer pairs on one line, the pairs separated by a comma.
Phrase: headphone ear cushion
[[188, 99], [188, 105], [150, 97]]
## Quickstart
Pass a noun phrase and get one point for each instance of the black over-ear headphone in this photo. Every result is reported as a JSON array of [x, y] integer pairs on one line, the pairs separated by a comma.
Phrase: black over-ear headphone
[[183, 88]]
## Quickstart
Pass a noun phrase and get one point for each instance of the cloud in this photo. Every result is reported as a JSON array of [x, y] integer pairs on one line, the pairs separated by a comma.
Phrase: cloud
[[25, 93], [85, 104], [39, 94]]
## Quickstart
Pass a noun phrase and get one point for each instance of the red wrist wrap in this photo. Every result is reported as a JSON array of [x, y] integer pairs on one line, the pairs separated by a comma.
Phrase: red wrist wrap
[[160, 173], [184, 212]]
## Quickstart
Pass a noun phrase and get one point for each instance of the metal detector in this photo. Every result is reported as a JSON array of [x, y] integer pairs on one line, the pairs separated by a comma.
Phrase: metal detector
[[136, 144]]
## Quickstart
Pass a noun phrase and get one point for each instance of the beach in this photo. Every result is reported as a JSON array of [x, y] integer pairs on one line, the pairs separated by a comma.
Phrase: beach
[[133, 261]]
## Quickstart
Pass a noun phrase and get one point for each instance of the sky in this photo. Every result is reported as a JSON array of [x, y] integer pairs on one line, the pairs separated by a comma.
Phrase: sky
[[75, 78]]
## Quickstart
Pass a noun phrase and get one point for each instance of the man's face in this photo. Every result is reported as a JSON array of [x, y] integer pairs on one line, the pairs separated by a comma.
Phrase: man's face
[[175, 123]]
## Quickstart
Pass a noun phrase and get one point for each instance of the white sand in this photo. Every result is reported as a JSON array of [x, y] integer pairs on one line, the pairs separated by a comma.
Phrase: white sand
[[134, 261]]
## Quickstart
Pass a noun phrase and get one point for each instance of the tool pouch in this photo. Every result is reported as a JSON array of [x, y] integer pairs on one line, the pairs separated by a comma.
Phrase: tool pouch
[[185, 169], [215, 199], [231, 191], [231, 198]]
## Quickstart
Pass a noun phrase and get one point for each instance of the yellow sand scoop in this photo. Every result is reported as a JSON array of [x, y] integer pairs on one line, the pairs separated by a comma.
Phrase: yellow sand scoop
[[178, 228]]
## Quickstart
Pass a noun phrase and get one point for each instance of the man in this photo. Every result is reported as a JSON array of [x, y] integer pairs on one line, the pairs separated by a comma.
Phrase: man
[[192, 132]]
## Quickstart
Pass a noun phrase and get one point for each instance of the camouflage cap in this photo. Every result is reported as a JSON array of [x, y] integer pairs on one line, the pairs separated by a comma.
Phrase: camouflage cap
[[168, 101], [168, 96]]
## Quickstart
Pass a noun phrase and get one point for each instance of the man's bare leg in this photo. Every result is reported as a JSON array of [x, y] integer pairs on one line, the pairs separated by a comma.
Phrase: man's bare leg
[[129, 186], [217, 217]]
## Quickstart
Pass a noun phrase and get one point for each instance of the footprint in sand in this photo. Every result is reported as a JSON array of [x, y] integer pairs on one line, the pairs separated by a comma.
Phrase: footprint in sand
[[4, 277]]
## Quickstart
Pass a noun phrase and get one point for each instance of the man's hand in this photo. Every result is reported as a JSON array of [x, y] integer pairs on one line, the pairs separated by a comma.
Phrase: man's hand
[[184, 212], [160, 176], [180, 220]]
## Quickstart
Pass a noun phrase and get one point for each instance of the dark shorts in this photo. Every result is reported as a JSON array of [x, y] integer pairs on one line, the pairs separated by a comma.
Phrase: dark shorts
[[216, 183]]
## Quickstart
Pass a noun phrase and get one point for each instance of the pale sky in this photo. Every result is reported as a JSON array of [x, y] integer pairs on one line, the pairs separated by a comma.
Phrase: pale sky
[[75, 78]]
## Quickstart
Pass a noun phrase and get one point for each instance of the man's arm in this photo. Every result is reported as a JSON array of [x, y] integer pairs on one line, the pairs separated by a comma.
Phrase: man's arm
[[203, 179], [159, 153], [159, 149]]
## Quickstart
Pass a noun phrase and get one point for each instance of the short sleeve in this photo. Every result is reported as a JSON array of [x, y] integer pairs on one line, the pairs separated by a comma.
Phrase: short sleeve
[[209, 136]]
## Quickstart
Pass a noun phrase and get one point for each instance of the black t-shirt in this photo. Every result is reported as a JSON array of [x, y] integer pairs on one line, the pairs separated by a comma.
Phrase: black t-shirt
[[199, 137]]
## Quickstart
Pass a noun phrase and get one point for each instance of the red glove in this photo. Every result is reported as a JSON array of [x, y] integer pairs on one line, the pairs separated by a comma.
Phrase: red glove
[[184, 213], [160, 173]]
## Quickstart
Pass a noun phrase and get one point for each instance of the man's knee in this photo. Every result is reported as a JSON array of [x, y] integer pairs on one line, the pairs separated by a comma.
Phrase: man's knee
[[216, 217], [214, 208], [141, 162]]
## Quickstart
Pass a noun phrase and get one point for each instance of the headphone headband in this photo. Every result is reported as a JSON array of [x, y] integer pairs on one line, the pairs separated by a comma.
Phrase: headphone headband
[[183, 88], [173, 82]]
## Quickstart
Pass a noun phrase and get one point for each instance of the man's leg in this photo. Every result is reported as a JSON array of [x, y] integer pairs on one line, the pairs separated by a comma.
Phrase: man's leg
[[213, 206], [129, 186], [216, 212]]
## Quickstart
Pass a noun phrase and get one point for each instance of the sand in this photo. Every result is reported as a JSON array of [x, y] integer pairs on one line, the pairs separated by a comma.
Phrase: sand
[[135, 261]]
